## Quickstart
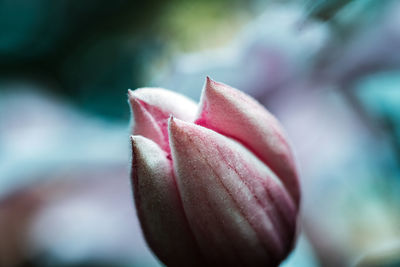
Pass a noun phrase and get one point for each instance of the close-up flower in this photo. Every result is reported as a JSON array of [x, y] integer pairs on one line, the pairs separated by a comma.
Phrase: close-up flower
[[297, 167], [215, 183]]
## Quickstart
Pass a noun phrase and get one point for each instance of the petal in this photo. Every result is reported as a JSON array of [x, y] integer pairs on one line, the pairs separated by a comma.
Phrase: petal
[[144, 123], [151, 108], [237, 115], [239, 211], [159, 206]]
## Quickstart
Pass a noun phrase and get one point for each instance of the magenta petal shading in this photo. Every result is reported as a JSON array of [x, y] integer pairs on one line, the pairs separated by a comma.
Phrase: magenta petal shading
[[151, 108], [234, 114], [159, 206], [238, 210]]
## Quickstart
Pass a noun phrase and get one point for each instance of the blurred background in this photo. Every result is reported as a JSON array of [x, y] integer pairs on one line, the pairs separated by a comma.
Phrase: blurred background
[[329, 70]]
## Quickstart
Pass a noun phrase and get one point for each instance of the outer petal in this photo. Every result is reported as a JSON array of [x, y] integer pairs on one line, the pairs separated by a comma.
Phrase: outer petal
[[151, 108], [159, 206], [238, 210], [237, 115]]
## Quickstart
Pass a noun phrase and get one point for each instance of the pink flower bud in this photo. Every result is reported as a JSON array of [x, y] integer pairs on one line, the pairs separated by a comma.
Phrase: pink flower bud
[[212, 188]]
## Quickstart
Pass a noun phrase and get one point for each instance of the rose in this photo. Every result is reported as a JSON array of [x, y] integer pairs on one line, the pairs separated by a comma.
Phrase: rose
[[213, 187]]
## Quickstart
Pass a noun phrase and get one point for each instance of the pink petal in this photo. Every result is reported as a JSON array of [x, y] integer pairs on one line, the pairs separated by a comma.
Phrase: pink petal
[[151, 108], [237, 115], [239, 211], [159, 206]]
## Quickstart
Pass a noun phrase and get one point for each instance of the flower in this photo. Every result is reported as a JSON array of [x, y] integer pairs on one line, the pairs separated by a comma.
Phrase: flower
[[214, 184]]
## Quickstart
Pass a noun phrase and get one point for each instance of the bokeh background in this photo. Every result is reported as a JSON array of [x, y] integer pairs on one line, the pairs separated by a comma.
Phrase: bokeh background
[[329, 70]]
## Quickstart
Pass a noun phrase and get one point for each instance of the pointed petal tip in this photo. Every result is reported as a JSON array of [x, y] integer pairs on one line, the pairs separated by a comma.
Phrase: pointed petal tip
[[212, 86], [175, 122], [172, 123], [132, 99], [138, 96], [210, 83], [142, 147], [134, 147], [176, 128], [135, 139], [138, 141], [131, 94]]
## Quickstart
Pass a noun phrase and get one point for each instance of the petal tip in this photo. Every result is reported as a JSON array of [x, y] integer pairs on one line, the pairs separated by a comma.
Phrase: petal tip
[[135, 140], [132, 99], [210, 83], [210, 87], [172, 123], [131, 94], [144, 149], [135, 148], [176, 128], [213, 88], [139, 95]]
